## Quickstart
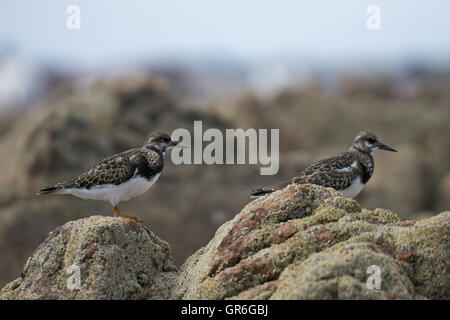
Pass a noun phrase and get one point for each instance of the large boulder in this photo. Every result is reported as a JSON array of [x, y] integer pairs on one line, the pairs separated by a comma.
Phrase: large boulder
[[308, 242], [115, 258]]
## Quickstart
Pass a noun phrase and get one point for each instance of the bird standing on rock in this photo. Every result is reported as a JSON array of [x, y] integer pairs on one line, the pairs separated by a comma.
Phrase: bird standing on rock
[[120, 177], [347, 172]]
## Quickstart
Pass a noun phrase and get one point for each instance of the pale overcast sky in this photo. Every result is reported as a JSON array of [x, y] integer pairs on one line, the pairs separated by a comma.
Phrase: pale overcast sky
[[123, 30]]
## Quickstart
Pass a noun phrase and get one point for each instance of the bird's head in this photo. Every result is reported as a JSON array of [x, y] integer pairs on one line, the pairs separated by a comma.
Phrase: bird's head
[[159, 140], [368, 142]]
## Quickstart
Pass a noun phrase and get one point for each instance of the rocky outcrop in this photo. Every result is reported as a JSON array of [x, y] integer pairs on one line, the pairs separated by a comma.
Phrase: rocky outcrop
[[303, 242], [113, 258], [308, 242]]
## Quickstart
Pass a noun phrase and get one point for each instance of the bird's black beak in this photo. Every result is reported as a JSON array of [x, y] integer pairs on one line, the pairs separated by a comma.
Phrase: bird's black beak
[[382, 146]]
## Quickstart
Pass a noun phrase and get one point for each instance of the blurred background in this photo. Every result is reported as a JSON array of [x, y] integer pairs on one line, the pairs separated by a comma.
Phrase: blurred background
[[70, 97]]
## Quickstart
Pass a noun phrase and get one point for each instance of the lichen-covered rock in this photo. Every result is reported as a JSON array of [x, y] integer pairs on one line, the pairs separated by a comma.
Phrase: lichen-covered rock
[[115, 258], [308, 242]]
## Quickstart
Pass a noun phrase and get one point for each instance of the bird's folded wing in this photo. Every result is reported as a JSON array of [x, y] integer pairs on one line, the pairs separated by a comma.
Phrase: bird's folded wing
[[337, 172], [113, 170]]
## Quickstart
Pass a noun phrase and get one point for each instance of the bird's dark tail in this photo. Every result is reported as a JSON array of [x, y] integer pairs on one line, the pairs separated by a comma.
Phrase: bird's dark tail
[[267, 190], [260, 192], [50, 189]]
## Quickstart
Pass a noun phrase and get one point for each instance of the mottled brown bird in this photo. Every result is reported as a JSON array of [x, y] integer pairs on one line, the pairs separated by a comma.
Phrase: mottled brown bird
[[120, 177], [347, 172]]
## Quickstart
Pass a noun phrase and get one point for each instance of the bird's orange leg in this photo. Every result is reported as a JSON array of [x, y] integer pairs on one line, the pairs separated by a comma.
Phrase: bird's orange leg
[[117, 211]]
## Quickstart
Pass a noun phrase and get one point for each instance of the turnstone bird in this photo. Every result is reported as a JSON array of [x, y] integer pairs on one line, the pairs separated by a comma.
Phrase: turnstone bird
[[347, 172], [120, 177]]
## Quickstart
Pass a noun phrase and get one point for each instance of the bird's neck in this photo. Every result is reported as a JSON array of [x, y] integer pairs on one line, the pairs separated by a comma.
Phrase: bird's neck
[[154, 148], [366, 161], [366, 152]]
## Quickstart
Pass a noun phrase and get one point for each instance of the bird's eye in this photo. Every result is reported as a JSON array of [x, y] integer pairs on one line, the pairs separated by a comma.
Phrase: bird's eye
[[370, 140]]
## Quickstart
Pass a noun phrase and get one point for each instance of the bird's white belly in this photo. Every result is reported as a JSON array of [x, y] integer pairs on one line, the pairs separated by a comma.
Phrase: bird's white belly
[[115, 193], [353, 189]]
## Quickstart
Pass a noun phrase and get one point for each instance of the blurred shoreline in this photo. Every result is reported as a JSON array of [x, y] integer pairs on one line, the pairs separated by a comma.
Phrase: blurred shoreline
[[210, 77]]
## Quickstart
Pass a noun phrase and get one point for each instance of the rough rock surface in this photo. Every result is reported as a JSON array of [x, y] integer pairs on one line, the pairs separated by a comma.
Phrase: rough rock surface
[[303, 242], [308, 242], [117, 259]]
